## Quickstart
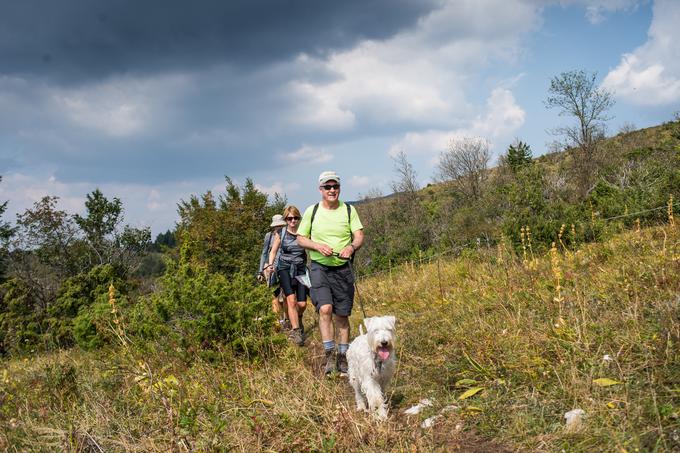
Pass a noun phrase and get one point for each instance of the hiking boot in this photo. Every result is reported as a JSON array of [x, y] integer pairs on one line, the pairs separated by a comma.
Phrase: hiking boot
[[302, 330], [341, 363], [330, 362], [296, 337]]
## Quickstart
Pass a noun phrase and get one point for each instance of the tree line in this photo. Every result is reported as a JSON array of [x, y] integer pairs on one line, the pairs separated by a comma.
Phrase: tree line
[[587, 179], [193, 288]]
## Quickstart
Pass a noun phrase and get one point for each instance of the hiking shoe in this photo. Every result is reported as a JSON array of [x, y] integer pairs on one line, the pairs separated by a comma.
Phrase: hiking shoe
[[330, 362], [341, 363], [302, 330], [296, 337]]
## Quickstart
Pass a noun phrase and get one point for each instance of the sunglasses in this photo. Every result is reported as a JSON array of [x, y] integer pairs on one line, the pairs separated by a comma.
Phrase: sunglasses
[[290, 219], [330, 186]]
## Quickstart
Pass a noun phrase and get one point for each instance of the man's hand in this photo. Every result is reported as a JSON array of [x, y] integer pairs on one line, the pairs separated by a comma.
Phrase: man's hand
[[346, 253], [324, 249]]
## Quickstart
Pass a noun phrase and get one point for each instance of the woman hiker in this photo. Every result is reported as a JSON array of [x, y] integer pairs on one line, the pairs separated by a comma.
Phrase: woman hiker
[[290, 261], [266, 270]]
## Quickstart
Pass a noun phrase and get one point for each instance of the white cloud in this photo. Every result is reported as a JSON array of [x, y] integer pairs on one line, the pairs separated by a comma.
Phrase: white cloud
[[117, 107], [360, 181], [420, 76], [650, 75], [271, 189], [23, 191], [502, 117], [154, 206], [320, 109], [596, 10], [308, 155]]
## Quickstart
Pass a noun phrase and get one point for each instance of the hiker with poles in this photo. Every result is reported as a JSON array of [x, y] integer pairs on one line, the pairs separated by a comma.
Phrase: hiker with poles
[[290, 261], [332, 231], [266, 272]]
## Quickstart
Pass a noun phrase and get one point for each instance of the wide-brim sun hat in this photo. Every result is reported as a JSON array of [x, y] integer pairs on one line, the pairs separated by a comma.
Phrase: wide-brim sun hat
[[326, 176], [277, 221]]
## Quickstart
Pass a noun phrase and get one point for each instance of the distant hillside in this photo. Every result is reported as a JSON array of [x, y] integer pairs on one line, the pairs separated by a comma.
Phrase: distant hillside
[[636, 174]]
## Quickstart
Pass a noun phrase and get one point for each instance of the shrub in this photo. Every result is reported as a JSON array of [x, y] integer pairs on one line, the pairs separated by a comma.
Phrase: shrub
[[196, 307], [76, 317], [19, 318]]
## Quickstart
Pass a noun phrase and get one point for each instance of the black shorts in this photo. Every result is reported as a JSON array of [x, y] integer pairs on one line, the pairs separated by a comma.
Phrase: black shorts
[[292, 287], [334, 286]]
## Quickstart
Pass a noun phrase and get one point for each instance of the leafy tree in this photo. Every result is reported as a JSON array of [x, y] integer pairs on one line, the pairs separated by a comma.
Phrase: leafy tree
[[45, 249], [54, 272], [165, 240], [6, 232], [109, 241], [226, 234], [518, 156], [103, 216], [6, 229], [575, 94]]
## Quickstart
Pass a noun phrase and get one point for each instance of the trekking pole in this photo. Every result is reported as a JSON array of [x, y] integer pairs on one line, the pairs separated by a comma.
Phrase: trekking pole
[[356, 288]]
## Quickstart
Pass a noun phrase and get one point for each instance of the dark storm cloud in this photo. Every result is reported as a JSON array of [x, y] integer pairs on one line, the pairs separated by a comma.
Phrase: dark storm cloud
[[72, 40]]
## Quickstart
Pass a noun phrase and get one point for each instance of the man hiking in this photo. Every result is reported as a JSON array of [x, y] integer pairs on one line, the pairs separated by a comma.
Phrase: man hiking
[[332, 231]]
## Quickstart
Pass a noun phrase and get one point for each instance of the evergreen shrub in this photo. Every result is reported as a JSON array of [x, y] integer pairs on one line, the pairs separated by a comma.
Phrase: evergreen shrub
[[196, 308]]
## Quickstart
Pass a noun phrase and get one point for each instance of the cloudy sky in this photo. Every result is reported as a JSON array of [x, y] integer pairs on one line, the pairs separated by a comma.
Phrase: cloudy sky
[[155, 100]]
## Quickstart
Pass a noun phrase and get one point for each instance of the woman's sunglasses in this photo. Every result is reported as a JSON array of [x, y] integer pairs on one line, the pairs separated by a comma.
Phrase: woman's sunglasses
[[290, 219], [330, 186]]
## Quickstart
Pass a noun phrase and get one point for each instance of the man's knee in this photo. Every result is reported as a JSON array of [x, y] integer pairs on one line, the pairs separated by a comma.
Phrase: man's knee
[[302, 305], [342, 321], [326, 310]]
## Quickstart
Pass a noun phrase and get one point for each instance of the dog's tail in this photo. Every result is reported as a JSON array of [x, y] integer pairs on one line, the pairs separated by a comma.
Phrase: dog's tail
[[361, 328]]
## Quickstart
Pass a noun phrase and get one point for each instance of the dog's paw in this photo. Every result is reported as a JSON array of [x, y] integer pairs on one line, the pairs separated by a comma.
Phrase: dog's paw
[[381, 414]]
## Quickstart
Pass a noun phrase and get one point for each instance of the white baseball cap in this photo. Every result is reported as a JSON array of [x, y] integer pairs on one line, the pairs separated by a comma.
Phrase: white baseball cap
[[326, 176]]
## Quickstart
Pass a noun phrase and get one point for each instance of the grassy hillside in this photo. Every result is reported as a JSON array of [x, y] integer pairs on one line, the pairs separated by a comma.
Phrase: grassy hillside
[[634, 174], [533, 333]]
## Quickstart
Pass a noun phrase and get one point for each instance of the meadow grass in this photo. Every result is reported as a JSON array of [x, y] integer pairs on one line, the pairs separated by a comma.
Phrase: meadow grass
[[595, 327]]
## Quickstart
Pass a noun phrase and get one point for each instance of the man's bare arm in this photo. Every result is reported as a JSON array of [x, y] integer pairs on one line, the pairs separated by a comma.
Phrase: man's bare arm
[[311, 245], [357, 242]]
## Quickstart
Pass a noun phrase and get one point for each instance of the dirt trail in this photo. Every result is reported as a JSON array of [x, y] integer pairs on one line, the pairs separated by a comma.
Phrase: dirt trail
[[447, 433]]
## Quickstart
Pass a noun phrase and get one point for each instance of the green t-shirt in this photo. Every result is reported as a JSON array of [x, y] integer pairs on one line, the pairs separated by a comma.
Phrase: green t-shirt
[[331, 227]]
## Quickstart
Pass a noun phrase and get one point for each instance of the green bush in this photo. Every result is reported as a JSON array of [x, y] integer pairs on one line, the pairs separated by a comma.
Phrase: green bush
[[20, 316], [77, 316], [199, 308]]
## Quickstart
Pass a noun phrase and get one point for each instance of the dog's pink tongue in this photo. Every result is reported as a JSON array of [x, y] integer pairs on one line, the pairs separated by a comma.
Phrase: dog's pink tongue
[[383, 353]]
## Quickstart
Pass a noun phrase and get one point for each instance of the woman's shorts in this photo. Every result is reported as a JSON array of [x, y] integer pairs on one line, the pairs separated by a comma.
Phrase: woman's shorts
[[292, 287]]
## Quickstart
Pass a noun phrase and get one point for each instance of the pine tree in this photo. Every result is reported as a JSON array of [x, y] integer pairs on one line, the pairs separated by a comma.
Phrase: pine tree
[[519, 155]]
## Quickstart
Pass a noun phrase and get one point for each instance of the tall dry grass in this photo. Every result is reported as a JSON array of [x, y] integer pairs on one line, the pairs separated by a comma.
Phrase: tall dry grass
[[506, 344]]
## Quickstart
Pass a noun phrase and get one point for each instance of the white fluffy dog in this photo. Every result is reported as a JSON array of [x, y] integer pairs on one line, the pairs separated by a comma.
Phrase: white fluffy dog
[[371, 364]]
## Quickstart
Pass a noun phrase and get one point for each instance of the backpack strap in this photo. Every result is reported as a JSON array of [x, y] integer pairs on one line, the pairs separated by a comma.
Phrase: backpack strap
[[311, 221]]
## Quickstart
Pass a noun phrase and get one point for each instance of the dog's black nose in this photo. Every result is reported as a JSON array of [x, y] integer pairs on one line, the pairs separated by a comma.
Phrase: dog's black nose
[[383, 343]]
